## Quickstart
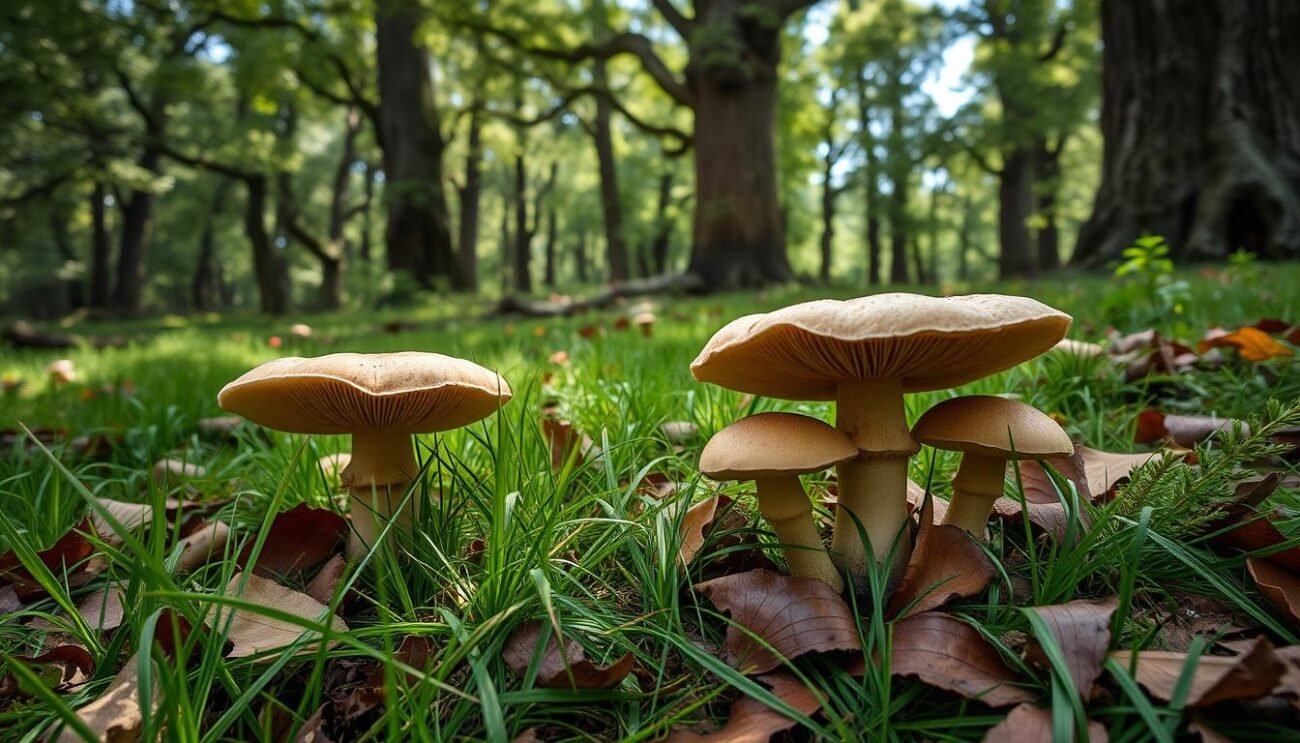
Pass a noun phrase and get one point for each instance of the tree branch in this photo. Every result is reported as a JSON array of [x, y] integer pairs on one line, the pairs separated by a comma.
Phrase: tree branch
[[198, 161], [680, 23], [1058, 42]]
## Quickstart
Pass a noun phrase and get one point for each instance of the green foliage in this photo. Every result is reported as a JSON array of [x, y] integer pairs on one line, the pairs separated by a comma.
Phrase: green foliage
[[1148, 284]]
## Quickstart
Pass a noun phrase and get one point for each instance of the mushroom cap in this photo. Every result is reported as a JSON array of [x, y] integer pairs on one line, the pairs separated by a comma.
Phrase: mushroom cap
[[407, 392], [801, 352], [993, 426], [774, 445]]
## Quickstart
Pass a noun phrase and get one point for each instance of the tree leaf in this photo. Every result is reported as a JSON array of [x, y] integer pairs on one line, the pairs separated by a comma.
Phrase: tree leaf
[[115, 716], [1082, 631], [1280, 586], [251, 633], [561, 669], [946, 564], [1029, 723], [690, 530], [793, 615], [72, 553], [947, 653], [1251, 675], [61, 668], [202, 545], [751, 721], [297, 540], [1252, 344]]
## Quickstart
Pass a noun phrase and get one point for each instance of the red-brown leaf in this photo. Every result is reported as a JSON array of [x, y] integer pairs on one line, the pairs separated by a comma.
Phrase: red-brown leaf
[[1251, 675], [73, 553], [561, 669], [946, 564], [751, 721], [1252, 344], [792, 615], [946, 652], [1280, 586], [690, 530], [1081, 629], [298, 540], [1028, 723], [73, 664]]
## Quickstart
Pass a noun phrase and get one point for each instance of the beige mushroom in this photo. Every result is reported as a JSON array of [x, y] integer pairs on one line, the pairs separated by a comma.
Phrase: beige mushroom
[[988, 431], [773, 449], [381, 400], [864, 354]]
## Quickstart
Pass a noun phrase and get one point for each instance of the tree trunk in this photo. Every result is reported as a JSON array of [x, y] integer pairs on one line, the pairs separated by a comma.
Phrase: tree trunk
[[204, 291], [611, 204], [268, 265], [75, 285], [1201, 122], [828, 218], [101, 249], [137, 221], [1048, 167], [963, 239], [418, 235], [367, 209], [580, 257], [663, 226], [1015, 204], [339, 207], [523, 235], [506, 272], [552, 234], [469, 196], [898, 229]]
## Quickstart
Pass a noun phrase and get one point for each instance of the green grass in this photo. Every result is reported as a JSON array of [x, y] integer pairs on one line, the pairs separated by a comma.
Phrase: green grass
[[581, 546]]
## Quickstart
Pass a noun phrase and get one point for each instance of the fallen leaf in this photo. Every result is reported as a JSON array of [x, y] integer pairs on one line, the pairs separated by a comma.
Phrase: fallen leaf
[[9, 602], [131, 516], [946, 564], [297, 540], [690, 530], [1207, 733], [1081, 629], [327, 579], [945, 652], [101, 610], [1185, 431], [1272, 325], [116, 715], [251, 633], [171, 471], [1280, 586], [1105, 471], [561, 669], [1146, 353], [202, 545], [792, 615], [1250, 675], [221, 428], [1242, 528], [1252, 344], [679, 432], [659, 486], [563, 439], [752, 721], [334, 464], [916, 499], [69, 558], [1029, 723], [61, 668]]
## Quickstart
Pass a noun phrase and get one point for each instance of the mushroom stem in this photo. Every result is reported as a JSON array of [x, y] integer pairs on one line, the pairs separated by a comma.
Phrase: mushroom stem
[[785, 505], [873, 486], [383, 464], [978, 484]]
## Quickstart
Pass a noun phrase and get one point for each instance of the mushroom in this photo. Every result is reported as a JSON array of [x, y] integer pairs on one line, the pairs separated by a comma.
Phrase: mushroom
[[645, 322], [988, 431], [381, 400], [865, 353], [773, 449]]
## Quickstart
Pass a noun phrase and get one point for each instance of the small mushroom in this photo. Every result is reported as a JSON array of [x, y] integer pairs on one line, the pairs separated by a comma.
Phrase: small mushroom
[[381, 400], [62, 371], [988, 431], [645, 322], [773, 449], [865, 354]]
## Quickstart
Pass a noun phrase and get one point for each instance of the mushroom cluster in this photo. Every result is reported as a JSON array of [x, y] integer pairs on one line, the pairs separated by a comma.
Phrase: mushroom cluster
[[865, 354], [381, 400]]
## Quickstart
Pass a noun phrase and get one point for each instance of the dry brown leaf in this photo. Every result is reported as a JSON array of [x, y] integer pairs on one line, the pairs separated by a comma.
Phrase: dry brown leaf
[[1250, 532], [946, 564], [115, 716], [1252, 344], [251, 633], [563, 440], [916, 499], [1251, 675], [9, 602], [1106, 470], [690, 531], [567, 669], [1280, 586], [327, 579], [61, 668], [101, 610], [792, 615], [1028, 723], [170, 471], [946, 652], [131, 516], [334, 464], [1081, 629], [72, 555], [751, 721], [298, 539], [202, 545]]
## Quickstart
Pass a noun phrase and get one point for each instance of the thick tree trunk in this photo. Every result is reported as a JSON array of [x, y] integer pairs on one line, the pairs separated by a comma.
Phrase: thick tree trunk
[[580, 257], [523, 235], [418, 235], [469, 197], [552, 234], [663, 226], [898, 231], [1048, 167], [75, 285], [1201, 121], [137, 221], [963, 239], [268, 265], [204, 291], [101, 249], [611, 203], [1015, 204], [507, 274], [829, 192]]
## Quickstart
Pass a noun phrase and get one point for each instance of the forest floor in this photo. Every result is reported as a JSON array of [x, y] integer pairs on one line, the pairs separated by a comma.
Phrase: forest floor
[[529, 535]]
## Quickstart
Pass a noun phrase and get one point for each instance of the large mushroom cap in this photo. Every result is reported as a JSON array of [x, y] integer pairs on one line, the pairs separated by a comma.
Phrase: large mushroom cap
[[801, 352], [993, 426], [772, 445], [407, 392]]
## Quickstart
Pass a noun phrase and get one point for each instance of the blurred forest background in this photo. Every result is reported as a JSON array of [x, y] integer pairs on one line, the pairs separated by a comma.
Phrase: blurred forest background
[[199, 156]]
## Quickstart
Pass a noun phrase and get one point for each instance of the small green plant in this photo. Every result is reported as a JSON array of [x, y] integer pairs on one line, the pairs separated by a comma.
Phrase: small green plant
[[1243, 265], [1148, 282]]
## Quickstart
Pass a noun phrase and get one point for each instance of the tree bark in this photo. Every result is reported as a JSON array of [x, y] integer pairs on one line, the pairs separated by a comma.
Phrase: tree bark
[[418, 235], [898, 230], [523, 235], [340, 210], [663, 226], [580, 257], [469, 192], [268, 265], [1048, 169], [1201, 123], [204, 289], [611, 203], [137, 222], [1015, 204], [101, 249], [829, 192], [552, 234], [76, 287]]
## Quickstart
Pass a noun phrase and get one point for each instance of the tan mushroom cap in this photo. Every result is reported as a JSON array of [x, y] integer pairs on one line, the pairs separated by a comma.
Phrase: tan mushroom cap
[[800, 352], [993, 426], [773, 445], [407, 392]]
